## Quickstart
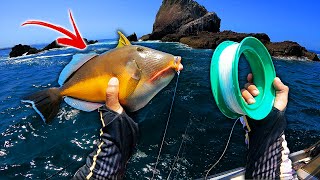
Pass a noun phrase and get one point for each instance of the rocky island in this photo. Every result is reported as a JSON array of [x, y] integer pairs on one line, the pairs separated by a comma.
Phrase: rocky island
[[132, 37], [188, 22], [19, 50]]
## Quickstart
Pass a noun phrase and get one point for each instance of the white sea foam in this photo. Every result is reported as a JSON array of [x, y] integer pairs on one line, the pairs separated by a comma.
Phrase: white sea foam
[[67, 115], [151, 41], [155, 41], [294, 58], [139, 154], [57, 55], [78, 143], [33, 58], [105, 43], [102, 49], [35, 55]]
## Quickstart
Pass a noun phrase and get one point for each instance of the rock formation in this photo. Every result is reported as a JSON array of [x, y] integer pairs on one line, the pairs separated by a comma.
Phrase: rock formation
[[212, 40], [19, 50], [188, 22], [284, 49], [292, 49], [90, 41], [133, 37], [52, 45], [183, 17]]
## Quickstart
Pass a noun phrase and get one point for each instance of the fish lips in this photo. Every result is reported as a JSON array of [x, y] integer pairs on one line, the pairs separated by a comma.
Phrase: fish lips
[[168, 71], [177, 63]]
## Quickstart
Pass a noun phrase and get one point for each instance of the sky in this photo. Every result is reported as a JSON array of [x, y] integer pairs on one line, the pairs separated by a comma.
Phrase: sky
[[97, 19]]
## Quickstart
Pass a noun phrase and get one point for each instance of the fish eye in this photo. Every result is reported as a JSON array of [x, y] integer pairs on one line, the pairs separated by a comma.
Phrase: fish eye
[[140, 49]]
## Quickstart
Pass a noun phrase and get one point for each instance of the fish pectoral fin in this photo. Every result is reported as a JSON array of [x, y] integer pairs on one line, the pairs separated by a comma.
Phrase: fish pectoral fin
[[82, 105], [76, 62], [133, 70], [131, 86], [123, 41]]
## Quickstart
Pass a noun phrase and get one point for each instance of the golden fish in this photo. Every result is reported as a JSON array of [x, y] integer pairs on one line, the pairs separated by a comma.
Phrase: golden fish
[[142, 73]]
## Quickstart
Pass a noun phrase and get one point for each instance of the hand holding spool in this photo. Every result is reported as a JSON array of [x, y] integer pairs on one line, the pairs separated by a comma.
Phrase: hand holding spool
[[250, 91], [234, 102]]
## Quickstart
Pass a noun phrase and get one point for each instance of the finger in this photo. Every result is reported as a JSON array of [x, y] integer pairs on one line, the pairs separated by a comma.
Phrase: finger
[[279, 86], [250, 78], [247, 96], [112, 95], [282, 92], [253, 90]]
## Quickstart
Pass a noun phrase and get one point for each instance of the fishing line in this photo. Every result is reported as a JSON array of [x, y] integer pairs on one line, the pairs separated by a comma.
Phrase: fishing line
[[63, 169], [224, 151], [226, 81], [165, 130], [177, 155]]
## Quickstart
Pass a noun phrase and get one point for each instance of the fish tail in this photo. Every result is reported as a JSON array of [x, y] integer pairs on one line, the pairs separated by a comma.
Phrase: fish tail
[[46, 103]]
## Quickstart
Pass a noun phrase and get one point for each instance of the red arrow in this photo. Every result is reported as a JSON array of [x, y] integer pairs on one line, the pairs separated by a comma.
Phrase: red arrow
[[74, 40]]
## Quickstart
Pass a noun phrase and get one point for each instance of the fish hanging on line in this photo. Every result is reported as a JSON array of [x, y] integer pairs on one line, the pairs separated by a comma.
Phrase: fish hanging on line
[[142, 73]]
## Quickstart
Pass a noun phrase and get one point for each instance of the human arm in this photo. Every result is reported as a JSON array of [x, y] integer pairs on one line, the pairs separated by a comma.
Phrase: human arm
[[268, 152]]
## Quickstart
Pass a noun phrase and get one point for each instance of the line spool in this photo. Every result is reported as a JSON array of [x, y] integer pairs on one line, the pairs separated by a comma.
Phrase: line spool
[[225, 83]]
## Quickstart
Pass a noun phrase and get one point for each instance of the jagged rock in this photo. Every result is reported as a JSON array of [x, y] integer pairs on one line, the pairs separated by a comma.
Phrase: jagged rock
[[311, 56], [188, 22], [176, 14], [280, 49], [133, 37], [290, 48], [145, 37], [171, 38], [212, 40], [52, 45], [90, 41], [209, 22], [19, 50]]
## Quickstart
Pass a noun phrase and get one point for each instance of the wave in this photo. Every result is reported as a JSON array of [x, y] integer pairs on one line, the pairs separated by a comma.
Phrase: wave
[[32, 58], [6, 48], [25, 55], [101, 49], [291, 58], [150, 41], [105, 43], [155, 41], [57, 55], [67, 114]]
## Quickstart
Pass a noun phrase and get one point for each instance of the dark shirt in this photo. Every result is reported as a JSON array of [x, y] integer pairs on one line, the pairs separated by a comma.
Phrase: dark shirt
[[268, 152], [118, 137], [267, 155]]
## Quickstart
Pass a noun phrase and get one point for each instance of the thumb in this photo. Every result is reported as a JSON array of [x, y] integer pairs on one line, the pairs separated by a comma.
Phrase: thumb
[[282, 92], [112, 96]]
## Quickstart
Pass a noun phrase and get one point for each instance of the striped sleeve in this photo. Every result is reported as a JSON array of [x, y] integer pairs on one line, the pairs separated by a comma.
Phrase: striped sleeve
[[118, 137], [268, 152]]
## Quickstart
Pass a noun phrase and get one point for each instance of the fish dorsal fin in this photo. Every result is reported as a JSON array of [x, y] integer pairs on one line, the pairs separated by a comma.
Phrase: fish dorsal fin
[[123, 41], [82, 105], [76, 62]]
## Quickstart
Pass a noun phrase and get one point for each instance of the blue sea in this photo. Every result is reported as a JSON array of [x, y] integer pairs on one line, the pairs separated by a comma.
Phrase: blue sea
[[30, 149]]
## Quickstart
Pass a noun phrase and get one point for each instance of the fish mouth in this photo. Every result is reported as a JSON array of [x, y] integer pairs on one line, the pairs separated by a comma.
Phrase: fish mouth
[[177, 64]]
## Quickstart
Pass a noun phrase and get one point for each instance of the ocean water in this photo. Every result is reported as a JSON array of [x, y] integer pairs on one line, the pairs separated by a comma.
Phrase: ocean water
[[30, 149]]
